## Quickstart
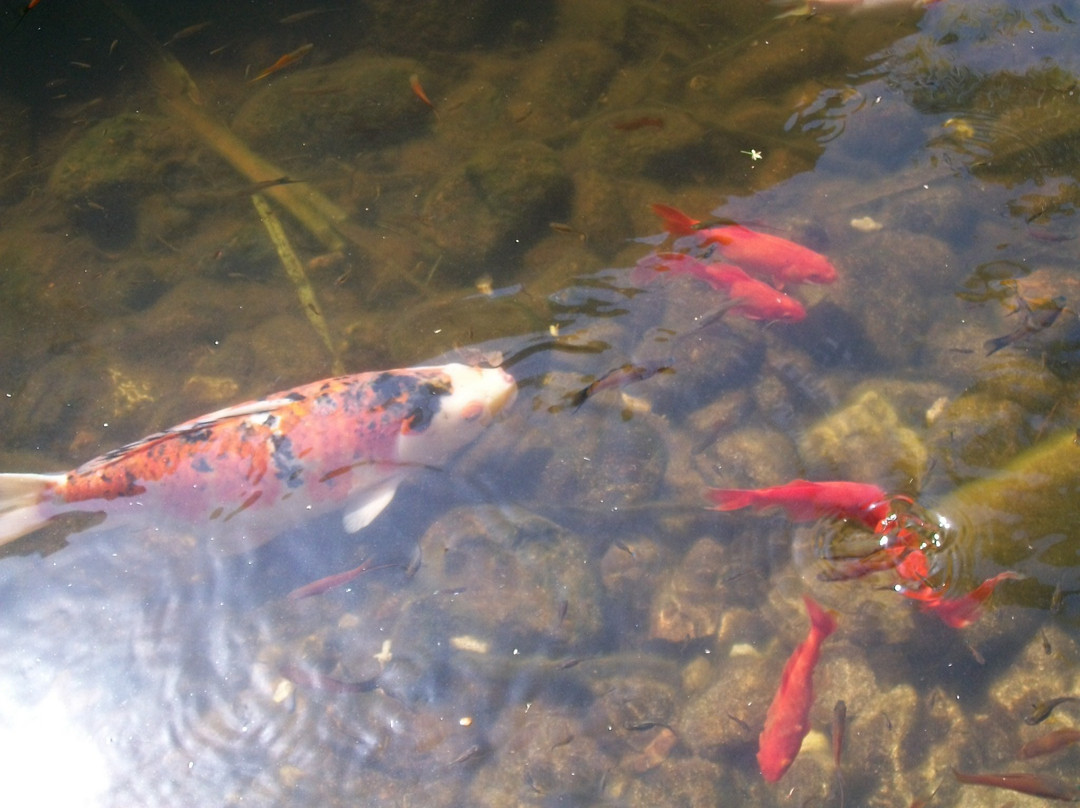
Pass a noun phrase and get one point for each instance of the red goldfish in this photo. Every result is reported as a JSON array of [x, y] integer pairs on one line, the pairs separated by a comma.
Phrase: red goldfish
[[753, 299], [247, 472], [788, 720], [956, 612], [805, 501], [770, 257]]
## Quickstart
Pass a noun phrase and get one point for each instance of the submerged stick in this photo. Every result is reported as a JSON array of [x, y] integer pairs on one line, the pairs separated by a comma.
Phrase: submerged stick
[[179, 97], [295, 270]]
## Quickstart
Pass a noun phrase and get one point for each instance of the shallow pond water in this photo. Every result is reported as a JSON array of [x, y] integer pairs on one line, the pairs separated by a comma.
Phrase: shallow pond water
[[553, 616]]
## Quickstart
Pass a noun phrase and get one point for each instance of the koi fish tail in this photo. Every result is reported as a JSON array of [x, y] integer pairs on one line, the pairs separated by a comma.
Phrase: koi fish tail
[[821, 621], [731, 499], [675, 221], [22, 503]]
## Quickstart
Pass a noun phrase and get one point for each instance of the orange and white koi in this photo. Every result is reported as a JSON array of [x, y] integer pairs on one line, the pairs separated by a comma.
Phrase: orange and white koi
[[787, 721], [753, 299], [805, 500], [771, 258], [245, 473]]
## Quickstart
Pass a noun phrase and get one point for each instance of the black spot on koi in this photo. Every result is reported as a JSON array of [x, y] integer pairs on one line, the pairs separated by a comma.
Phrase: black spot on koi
[[196, 435], [287, 468]]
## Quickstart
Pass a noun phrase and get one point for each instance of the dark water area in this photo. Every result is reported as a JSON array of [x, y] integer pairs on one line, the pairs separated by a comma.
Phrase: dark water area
[[205, 203]]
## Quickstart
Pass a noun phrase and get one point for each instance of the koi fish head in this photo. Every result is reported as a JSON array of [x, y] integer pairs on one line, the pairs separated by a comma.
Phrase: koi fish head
[[462, 401]]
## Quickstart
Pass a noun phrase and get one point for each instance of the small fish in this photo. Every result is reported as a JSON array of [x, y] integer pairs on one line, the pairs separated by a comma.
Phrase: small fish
[[1036, 317], [184, 33], [640, 123], [620, 377], [1057, 598], [753, 299], [289, 58], [957, 612], [1038, 785], [770, 257], [839, 724], [787, 721], [300, 16], [418, 91], [1050, 742], [1041, 711], [320, 681], [806, 501], [329, 582], [246, 473]]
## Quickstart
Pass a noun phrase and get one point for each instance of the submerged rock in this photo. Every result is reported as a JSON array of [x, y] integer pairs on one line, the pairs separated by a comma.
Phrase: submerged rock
[[866, 442], [511, 579], [355, 103], [497, 203]]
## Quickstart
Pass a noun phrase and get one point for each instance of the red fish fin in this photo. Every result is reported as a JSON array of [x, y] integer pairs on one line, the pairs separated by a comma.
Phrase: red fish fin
[[675, 221], [22, 498], [731, 499], [822, 621]]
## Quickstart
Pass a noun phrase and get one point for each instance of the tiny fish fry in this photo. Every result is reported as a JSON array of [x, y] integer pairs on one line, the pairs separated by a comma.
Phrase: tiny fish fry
[[788, 720], [771, 258]]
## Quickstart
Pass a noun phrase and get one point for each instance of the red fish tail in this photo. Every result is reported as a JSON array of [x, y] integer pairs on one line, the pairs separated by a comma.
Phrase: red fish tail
[[675, 221], [823, 622], [731, 499]]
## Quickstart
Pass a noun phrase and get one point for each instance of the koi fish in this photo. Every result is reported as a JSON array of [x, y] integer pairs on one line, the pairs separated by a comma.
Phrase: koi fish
[[956, 612], [805, 501], [787, 721], [250, 471], [770, 257], [1038, 785], [753, 299], [284, 61]]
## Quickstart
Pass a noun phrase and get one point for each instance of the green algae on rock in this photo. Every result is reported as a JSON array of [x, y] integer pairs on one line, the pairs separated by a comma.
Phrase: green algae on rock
[[865, 441]]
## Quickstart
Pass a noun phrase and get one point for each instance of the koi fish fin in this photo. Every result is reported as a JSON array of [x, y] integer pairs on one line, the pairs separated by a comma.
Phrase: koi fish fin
[[22, 499], [369, 503], [249, 408], [731, 499], [675, 221], [821, 621]]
